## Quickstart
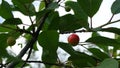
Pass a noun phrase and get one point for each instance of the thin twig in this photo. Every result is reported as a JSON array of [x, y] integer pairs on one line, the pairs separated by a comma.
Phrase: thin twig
[[109, 22], [20, 30], [91, 24]]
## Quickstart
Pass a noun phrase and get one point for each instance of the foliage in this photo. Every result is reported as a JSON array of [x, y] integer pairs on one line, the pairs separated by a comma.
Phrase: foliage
[[45, 32]]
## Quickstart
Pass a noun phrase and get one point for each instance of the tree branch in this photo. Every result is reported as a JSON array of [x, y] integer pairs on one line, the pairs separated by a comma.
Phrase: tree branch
[[29, 44]]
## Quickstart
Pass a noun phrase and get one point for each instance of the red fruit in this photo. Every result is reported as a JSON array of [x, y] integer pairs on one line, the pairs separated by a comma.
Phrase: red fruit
[[73, 39]]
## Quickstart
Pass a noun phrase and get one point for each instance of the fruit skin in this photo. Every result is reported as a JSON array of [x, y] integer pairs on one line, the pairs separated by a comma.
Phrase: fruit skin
[[11, 41], [73, 39], [67, 8]]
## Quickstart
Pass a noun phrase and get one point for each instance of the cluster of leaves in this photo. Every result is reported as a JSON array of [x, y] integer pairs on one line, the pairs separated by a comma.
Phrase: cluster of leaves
[[48, 25]]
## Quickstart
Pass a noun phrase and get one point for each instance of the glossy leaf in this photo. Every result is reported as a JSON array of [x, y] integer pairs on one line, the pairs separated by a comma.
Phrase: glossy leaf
[[5, 10], [69, 23], [49, 41], [109, 63], [12, 21], [90, 6], [26, 8], [115, 8], [111, 29], [79, 13]]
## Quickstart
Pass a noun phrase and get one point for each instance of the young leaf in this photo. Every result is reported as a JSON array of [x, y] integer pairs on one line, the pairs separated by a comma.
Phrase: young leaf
[[115, 8], [90, 6], [5, 10], [42, 5], [109, 63]]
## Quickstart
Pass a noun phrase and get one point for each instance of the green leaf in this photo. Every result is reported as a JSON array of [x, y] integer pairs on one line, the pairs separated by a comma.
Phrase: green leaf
[[26, 8], [79, 13], [67, 47], [94, 34], [111, 29], [53, 6], [54, 21], [109, 63], [5, 10], [115, 8], [78, 59], [90, 6], [81, 60], [49, 41], [42, 6], [3, 45], [98, 54], [69, 23], [12, 21], [39, 15], [7, 28], [99, 40]]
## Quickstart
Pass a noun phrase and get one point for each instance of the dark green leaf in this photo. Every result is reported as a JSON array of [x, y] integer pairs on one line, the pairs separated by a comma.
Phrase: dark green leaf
[[99, 40], [53, 5], [67, 47], [39, 15], [82, 60], [112, 29], [5, 10], [94, 34], [6, 28], [12, 21], [115, 8], [69, 23], [54, 21], [49, 41], [90, 6], [98, 54], [109, 63], [3, 45], [26, 8], [79, 13]]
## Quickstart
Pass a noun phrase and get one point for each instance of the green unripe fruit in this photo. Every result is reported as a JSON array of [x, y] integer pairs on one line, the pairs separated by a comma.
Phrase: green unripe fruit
[[67, 8], [11, 41]]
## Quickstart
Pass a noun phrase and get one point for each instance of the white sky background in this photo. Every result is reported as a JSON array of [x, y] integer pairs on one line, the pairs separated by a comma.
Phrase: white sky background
[[100, 18]]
